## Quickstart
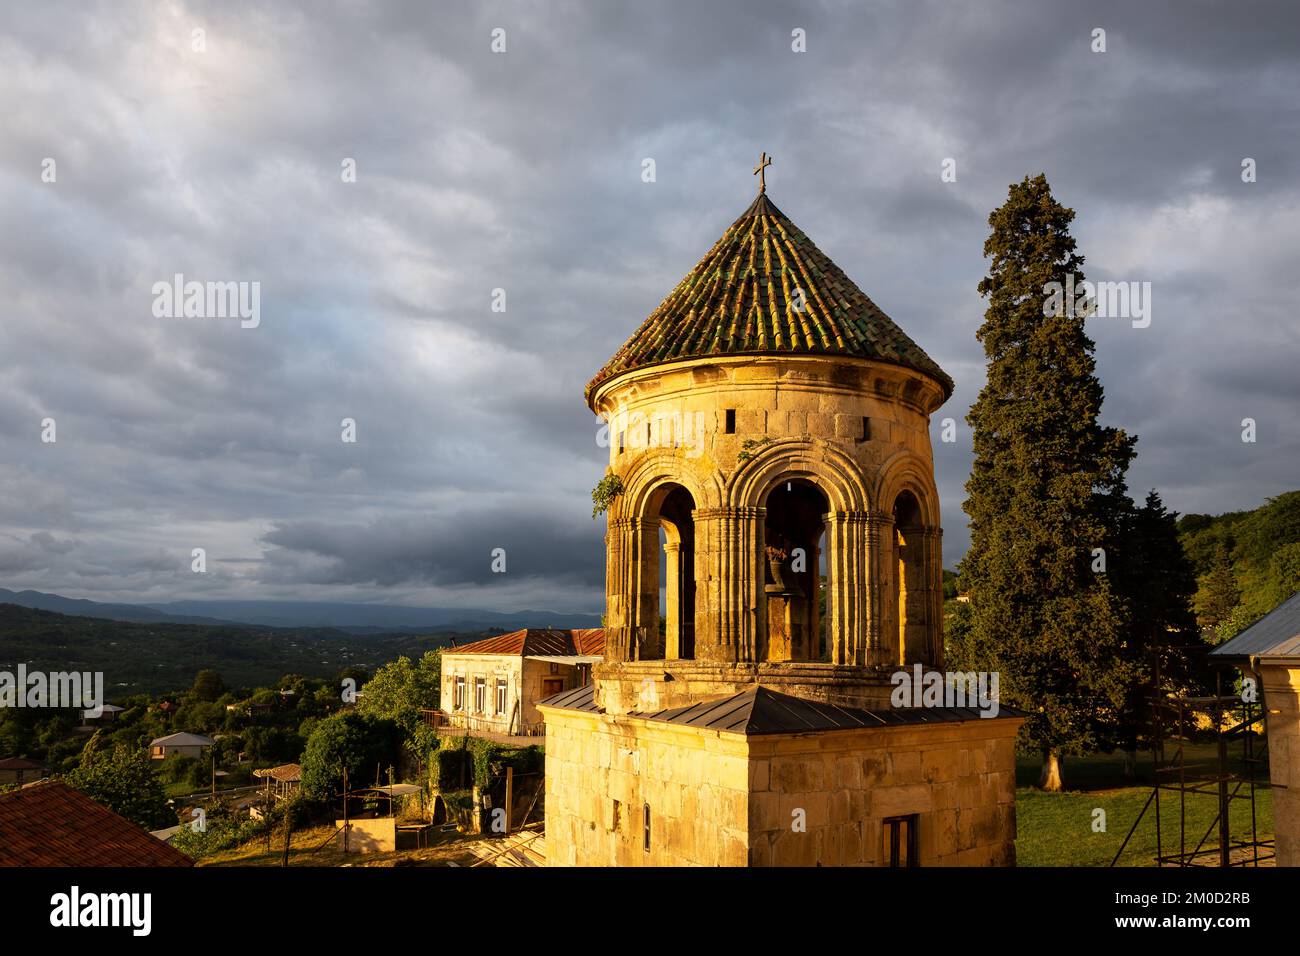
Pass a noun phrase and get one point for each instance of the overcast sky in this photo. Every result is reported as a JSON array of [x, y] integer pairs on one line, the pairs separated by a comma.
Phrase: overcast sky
[[522, 170]]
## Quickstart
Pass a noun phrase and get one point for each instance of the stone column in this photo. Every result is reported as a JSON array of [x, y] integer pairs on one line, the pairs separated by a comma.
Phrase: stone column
[[882, 590], [933, 540], [729, 601], [644, 552], [672, 606], [847, 597], [618, 591]]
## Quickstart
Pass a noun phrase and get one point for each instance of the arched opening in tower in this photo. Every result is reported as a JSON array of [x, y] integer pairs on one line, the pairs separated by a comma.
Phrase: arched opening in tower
[[793, 532], [673, 636], [912, 596]]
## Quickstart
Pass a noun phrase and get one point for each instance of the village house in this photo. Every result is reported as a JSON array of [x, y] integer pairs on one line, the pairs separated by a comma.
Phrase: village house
[[21, 771], [187, 745], [493, 685], [1269, 652], [107, 714], [733, 722]]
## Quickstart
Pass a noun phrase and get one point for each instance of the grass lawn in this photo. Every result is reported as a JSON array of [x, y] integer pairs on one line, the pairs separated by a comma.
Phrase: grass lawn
[[1056, 829]]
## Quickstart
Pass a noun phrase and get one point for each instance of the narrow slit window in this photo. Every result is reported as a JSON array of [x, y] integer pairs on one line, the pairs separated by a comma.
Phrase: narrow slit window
[[731, 421], [866, 429], [900, 847], [645, 811]]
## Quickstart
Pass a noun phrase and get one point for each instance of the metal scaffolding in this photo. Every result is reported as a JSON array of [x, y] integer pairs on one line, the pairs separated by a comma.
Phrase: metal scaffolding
[[1223, 779]]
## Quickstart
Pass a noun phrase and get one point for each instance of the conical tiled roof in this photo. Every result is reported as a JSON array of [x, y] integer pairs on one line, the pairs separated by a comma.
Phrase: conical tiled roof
[[741, 300]]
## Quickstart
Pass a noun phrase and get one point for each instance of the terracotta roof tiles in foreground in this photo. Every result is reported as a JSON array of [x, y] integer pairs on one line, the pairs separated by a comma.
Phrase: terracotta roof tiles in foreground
[[543, 641], [50, 824]]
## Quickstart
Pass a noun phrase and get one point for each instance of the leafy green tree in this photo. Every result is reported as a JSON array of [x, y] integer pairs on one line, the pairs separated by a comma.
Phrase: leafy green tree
[[123, 780], [1045, 489], [401, 689], [366, 745], [208, 686]]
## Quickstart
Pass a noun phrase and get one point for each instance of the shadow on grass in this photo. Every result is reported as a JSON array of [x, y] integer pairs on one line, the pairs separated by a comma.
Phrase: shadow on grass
[[1057, 829]]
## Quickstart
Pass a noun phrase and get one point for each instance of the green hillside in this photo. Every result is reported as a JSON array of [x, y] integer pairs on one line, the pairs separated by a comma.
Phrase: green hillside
[[1247, 562]]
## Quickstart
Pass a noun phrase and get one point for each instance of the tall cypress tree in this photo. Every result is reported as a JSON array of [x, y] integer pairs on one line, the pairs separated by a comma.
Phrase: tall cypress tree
[[1044, 494]]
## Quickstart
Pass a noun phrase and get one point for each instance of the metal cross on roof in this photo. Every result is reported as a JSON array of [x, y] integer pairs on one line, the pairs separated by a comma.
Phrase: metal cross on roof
[[763, 162]]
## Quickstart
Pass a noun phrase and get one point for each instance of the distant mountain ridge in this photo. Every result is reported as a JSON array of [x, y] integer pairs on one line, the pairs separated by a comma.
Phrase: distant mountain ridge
[[139, 613], [353, 618]]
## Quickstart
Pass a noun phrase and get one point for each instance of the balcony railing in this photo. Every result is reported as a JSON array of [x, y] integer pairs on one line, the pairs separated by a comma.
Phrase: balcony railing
[[440, 719]]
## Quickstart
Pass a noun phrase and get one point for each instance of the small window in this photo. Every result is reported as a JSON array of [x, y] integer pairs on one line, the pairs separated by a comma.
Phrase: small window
[[480, 695], [900, 840], [458, 698], [731, 421], [866, 429], [501, 697], [555, 668], [645, 813]]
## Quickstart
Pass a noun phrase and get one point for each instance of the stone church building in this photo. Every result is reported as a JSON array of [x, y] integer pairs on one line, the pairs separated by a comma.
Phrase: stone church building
[[773, 557]]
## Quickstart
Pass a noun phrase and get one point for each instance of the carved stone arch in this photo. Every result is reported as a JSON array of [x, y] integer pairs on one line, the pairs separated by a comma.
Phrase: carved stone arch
[[840, 481], [911, 572], [837, 475], [907, 472], [660, 492], [651, 474]]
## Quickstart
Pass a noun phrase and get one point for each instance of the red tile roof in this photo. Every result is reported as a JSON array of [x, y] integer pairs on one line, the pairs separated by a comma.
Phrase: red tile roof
[[50, 824], [543, 641]]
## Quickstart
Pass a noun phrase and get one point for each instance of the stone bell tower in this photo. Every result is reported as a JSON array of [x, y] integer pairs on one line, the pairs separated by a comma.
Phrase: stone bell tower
[[769, 429], [773, 561]]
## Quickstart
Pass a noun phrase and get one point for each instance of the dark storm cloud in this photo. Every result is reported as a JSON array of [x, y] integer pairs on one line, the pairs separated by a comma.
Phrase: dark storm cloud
[[522, 171]]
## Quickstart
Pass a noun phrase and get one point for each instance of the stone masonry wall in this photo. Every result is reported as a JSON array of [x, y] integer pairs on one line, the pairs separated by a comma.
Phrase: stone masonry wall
[[1281, 687], [958, 777], [602, 771], [722, 799]]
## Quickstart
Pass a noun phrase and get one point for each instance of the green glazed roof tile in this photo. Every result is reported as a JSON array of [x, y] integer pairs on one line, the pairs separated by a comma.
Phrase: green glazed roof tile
[[740, 300]]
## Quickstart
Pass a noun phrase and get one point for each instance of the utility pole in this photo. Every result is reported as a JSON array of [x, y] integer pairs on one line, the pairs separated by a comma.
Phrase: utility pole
[[288, 830], [510, 793], [346, 826]]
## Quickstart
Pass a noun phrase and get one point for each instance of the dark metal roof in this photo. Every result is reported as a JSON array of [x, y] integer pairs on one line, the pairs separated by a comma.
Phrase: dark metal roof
[[760, 710], [1276, 634], [576, 698]]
